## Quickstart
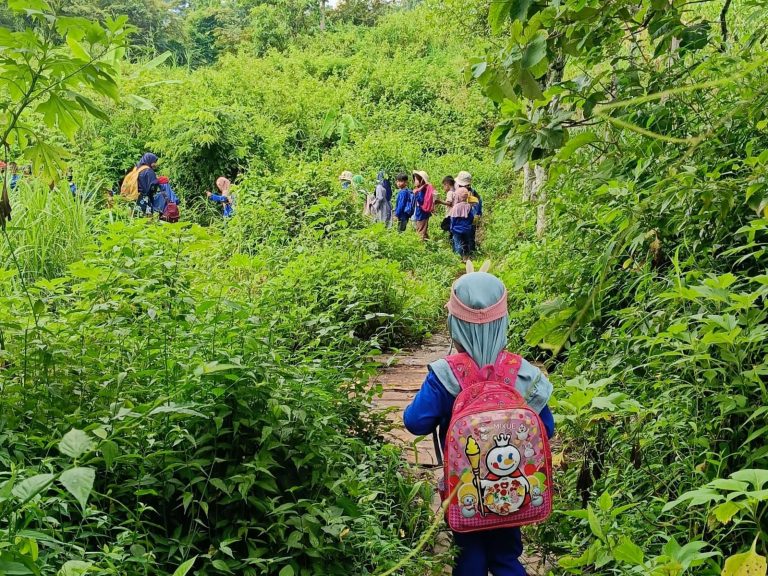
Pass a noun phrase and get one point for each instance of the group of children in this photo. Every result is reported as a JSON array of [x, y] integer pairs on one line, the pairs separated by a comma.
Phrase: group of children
[[154, 194], [463, 204]]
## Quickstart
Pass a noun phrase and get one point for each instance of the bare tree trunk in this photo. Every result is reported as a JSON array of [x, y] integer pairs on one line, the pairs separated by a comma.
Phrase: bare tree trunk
[[540, 193], [322, 14], [528, 183]]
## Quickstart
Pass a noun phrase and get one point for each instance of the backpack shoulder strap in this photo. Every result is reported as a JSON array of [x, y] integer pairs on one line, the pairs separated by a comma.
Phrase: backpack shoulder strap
[[464, 369], [507, 367]]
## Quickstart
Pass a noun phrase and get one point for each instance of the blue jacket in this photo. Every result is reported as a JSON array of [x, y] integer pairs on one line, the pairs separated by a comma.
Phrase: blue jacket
[[418, 213], [404, 204], [432, 407], [229, 210], [159, 201], [462, 225]]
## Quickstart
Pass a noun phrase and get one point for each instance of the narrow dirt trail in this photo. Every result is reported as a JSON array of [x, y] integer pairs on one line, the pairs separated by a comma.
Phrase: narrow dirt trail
[[401, 377]]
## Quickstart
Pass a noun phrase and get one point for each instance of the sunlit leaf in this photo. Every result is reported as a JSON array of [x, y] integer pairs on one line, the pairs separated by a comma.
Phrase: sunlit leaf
[[30, 487], [79, 483], [185, 567], [75, 443], [726, 511], [746, 564]]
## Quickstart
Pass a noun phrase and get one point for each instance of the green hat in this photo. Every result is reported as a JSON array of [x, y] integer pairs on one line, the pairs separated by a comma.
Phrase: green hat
[[357, 180]]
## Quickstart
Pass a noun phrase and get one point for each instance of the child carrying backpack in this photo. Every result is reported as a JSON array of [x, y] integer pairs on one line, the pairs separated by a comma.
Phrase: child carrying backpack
[[165, 202], [490, 409], [405, 202]]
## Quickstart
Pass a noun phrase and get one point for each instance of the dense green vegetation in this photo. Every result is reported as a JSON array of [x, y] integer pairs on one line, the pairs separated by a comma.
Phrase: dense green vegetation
[[197, 396], [179, 392]]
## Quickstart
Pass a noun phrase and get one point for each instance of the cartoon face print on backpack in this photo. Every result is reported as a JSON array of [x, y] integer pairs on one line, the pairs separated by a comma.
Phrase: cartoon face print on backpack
[[504, 459]]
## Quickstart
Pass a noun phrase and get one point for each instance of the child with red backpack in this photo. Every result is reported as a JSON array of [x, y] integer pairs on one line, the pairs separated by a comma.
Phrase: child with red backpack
[[490, 410], [165, 201]]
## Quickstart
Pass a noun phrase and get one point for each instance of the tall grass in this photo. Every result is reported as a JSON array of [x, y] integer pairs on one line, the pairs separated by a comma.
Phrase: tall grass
[[48, 231]]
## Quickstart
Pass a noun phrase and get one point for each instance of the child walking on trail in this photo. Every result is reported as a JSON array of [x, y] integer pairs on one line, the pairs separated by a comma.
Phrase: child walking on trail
[[461, 223], [225, 198], [424, 195], [404, 202], [478, 321]]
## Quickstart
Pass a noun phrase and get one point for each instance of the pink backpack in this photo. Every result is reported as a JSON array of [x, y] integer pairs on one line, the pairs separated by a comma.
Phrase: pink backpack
[[498, 464]]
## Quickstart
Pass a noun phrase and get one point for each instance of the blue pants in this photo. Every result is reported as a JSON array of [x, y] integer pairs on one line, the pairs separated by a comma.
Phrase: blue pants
[[496, 551], [461, 243], [473, 240]]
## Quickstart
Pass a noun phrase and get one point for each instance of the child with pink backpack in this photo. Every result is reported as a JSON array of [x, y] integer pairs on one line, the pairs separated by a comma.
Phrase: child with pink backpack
[[490, 410]]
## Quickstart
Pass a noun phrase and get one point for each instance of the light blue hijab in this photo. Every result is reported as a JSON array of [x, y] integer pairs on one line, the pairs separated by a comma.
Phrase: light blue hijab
[[484, 342]]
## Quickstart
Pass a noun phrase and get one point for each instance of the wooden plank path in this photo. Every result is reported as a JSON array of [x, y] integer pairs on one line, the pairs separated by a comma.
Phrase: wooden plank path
[[401, 377]]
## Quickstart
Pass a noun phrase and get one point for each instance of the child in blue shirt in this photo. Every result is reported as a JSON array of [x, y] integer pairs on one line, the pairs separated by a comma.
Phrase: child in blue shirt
[[480, 299], [461, 223], [225, 198], [404, 202]]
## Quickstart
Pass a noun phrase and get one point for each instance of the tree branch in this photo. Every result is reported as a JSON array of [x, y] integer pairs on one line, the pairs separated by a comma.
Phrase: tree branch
[[724, 22]]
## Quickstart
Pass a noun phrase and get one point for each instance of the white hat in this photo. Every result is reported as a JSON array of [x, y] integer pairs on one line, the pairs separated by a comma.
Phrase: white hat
[[464, 179], [346, 176]]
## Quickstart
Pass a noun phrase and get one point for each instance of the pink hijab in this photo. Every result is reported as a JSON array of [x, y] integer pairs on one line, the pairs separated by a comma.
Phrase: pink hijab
[[462, 208], [223, 185]]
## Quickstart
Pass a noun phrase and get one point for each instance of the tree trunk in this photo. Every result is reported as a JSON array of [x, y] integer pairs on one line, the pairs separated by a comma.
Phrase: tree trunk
[[528, 183], [540, 193], [322, 14]]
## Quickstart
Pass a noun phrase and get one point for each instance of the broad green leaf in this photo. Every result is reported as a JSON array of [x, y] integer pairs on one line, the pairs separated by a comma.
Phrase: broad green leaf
[[48, 157], [579, 140], [74, 568], [26, 5], [286, 570], [79, 483], [90, 106], [594, 524], [747, 564], [530, 86], [75, 443], [60, 113], [138, 102], [185, 567], [173, 408], [628, 552], [757, 478], [78, 51], [605, 501], [726, 511], [536, 50], [498, 14], [521, 157], [27, 489], [109, 452], [519, 10], [11, 568], [221, 565]]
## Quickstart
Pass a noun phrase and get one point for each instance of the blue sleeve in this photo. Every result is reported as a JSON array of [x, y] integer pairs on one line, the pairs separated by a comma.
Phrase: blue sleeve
[[548, 420], [217, 198], [400, 204], [172, 195], [420, 197], [432, 405]]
